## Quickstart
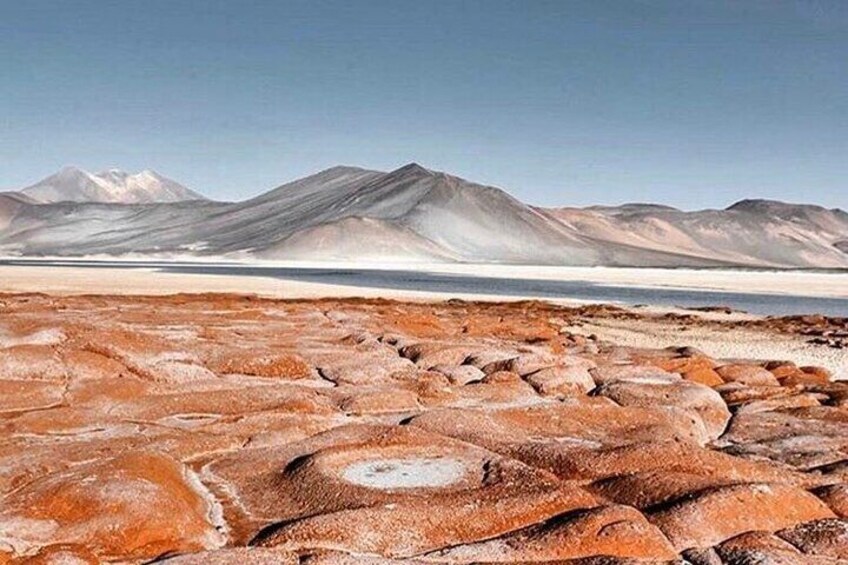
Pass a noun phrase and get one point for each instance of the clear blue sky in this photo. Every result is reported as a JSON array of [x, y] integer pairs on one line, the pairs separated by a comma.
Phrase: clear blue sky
[[690, 103]]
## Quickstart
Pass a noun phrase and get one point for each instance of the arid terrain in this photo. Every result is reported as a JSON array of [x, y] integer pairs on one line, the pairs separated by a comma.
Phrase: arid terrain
[[423, 283], [214, 428]]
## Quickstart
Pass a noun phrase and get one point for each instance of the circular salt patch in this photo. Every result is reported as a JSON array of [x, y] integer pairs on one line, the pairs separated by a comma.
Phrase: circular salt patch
[[415, 472]]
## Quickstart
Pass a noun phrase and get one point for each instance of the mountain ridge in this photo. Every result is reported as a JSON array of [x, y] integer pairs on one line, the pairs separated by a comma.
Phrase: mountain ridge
[[415, 213]]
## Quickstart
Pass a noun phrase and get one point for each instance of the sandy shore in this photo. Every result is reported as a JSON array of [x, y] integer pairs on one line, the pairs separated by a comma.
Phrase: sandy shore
[[68, 280], [71, 279]]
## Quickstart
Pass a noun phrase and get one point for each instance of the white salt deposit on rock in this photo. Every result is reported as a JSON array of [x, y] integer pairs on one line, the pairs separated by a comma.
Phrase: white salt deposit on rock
[[416, 472]]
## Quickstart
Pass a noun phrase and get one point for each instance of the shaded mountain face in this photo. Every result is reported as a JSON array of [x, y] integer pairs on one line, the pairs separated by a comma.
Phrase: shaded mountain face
[[18, 197], [415, 214], [344, 212], [113, 186], [10, 204]]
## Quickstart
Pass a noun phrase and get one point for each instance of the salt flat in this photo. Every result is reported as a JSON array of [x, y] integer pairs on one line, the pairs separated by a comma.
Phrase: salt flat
[[72, 279]]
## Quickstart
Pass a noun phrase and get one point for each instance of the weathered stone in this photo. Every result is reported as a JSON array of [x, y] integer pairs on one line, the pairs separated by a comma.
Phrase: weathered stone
[[827, 537], [718, 514], [684, 395], [751, 375], [460, 374], [561, 381], [835, 496], [373, 432], [138, 506], [614, 531]]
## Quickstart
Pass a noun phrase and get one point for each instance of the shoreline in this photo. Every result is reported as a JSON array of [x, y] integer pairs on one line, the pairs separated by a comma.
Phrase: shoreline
[[806, 283], [720, 334]]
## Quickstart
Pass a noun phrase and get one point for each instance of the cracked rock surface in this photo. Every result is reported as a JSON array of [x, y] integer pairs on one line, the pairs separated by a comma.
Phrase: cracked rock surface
[[232, 429]]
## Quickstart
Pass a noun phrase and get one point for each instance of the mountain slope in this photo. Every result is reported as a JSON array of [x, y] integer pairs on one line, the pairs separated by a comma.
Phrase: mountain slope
[[417, 214], [465, 220], [10, 205], [113, 186], [755, 233]]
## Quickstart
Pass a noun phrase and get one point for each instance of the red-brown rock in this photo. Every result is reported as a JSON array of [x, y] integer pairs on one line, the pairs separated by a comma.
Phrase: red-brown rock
[[717, 514], [136, 506]]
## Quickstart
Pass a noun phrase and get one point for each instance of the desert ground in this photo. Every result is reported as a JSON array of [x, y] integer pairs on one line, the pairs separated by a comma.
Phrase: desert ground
[[221, 428], [722, 334]]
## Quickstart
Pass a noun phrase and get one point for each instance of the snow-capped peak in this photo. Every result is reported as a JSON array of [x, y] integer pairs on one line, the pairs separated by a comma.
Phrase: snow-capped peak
[[110, 186]]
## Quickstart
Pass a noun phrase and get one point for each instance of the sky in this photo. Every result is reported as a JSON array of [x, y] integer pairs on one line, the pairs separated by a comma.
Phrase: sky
[[694, 104]]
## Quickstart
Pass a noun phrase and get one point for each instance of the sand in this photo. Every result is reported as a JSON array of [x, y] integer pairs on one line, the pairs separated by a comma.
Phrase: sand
[[78, 280]]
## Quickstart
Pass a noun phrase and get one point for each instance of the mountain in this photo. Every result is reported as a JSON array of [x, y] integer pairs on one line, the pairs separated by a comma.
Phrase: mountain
[[18, 197], [416, 214], [759, 233], [115, 186], [10, 204], [428, 214], [459, 219]]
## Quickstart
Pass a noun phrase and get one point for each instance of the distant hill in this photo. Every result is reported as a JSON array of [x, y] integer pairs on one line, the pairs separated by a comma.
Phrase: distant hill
[[415, 214], [759, 233]]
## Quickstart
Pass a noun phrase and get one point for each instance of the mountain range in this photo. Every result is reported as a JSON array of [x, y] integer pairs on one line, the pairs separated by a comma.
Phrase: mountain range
[[410, 214]]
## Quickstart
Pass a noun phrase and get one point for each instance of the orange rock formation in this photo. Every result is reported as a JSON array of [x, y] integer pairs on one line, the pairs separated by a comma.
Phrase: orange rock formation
[[228, 429]]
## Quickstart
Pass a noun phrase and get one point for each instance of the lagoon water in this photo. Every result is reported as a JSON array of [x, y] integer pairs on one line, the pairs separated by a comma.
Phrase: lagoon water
[[399, 279]]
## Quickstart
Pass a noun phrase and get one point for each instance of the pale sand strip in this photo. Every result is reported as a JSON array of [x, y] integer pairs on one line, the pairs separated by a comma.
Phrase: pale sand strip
[[145, 281], [832, 284]]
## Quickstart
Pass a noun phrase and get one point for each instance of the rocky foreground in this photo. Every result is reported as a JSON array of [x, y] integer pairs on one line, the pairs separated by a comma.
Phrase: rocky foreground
[[226, 429]]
